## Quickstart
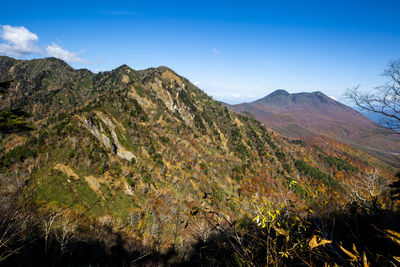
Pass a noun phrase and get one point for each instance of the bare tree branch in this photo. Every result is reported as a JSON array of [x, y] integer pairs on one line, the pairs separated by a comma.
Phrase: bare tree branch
[[385, 100]]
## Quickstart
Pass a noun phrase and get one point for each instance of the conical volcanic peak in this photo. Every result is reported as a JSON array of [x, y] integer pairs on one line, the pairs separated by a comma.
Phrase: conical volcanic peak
[[305, 114]]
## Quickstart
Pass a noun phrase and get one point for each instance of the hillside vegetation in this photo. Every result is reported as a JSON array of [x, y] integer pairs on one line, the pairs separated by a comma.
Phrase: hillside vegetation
[[142, 167]]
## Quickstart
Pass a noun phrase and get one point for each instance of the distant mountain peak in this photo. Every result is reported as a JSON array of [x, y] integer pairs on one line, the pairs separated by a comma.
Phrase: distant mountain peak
[[284, 93], [275, 96], [315, 113], [279, 92], [282, 97], [319, 93], [311, 94]]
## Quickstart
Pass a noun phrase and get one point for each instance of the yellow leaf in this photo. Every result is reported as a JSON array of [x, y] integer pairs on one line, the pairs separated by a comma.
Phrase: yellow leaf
[[397, 258], [314, 242], [365, 261], [351, 255], [355, 250], [324, 242], [280, 231], [395, 236]]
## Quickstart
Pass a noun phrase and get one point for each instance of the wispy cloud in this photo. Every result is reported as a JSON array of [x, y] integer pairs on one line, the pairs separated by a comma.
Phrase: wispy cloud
[[216, 51], [57, 51], [20, 42]]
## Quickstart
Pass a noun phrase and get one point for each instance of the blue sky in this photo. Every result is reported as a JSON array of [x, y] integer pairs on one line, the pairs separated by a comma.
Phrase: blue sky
[[234, 50]]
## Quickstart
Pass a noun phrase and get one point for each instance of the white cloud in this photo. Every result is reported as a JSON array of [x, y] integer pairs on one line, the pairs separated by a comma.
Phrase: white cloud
[[57, 51], [19, 41], [196, 83], [334, 98], [235, 95], [216, 51]]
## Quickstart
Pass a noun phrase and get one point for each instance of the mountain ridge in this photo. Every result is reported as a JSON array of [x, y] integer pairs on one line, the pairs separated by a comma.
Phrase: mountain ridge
[[313, 114], [152, 155]]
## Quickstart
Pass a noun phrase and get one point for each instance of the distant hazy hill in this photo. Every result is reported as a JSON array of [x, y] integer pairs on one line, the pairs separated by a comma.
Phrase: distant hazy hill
[[305, 114], [381, 119]]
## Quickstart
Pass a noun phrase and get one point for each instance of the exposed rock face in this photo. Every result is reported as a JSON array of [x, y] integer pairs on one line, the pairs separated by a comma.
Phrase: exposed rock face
[[100, 133], [119, 149], [97, 132]]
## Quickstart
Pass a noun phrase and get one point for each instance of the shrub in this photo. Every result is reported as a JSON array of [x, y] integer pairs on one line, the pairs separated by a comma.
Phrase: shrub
[[340, 164], [314, 172]]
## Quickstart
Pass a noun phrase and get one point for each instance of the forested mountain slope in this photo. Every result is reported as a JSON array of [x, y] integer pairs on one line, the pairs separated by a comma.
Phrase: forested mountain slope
[[151, 155]]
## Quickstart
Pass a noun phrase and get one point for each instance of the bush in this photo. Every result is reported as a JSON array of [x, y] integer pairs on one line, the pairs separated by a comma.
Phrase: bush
[[340, 164], [164, 139], [280, 155], [286, 167], [314, 172], [19, 153]]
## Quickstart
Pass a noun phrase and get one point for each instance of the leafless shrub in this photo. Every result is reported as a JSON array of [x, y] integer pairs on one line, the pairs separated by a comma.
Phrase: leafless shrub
[[366, 188], [9, 234], [66, 230]]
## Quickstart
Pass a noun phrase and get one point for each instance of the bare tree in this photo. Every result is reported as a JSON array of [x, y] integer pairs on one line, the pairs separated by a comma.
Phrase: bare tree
[[16, 219], [366, 188], [66, 231], [385, 100], [9, 234], [47, 226]]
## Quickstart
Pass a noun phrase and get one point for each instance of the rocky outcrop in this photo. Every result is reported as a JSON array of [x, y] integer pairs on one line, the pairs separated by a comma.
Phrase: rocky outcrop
[[89, 124], [111, 142]]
